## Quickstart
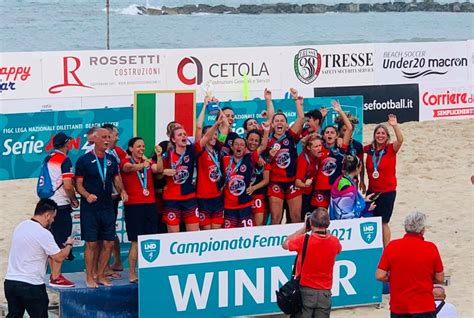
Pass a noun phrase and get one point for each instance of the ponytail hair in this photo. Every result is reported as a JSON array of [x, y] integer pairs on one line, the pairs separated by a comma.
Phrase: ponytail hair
[[350, 164]]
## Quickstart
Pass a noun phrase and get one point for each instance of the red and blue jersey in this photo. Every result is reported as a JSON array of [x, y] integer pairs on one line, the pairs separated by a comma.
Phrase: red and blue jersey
[[209, 172], [330, 166], [226, 147], [306, 168], [283, 165], [258, 177], [238, 176], [180, 186]]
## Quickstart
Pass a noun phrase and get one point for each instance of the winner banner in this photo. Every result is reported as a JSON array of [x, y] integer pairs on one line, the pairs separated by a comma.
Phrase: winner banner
[[235, 272]]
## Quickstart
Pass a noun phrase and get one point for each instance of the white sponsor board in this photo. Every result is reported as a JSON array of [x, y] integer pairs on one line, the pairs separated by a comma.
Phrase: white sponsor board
[[223, 70], [446, 101], [397, 63], [328, 65], [20, 75]]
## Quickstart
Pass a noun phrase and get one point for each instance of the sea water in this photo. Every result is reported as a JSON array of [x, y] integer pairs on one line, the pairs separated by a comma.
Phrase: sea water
[[51, 25]]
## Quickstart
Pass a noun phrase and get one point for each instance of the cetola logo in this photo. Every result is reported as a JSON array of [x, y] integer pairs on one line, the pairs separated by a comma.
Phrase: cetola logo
[[307, 65], [197, 78], [368, 231], [150, 250]]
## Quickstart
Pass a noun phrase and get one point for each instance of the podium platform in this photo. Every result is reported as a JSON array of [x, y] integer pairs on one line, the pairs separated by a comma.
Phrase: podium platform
[[118, 301]]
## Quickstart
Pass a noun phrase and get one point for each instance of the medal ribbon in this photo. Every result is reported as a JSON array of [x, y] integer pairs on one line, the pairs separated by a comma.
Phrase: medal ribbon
[[102, 173], [230, 173], [277, 140], [215, 158], [375, 160], [142, 178], [177, 163]]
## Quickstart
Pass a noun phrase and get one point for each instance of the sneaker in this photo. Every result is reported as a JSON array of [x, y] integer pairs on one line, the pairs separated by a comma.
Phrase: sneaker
[[61, 281]]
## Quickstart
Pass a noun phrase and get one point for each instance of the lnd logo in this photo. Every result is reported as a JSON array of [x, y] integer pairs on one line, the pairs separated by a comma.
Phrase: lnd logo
[[150, 250]]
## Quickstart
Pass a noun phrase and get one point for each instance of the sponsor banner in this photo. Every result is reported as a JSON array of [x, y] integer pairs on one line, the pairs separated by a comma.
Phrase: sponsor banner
[[101, 73], [382, 100], [222, 70], [235, 272], [446, 101], [257, 109], [328, 65], [26, 138], [421, 62], [20, 75], [470, 53]]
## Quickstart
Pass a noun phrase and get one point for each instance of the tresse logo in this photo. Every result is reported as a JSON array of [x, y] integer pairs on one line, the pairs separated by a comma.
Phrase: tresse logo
[[197, 79], [307, 65]]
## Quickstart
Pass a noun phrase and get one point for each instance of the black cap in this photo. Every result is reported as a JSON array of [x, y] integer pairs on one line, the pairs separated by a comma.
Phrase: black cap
[[60, 140]]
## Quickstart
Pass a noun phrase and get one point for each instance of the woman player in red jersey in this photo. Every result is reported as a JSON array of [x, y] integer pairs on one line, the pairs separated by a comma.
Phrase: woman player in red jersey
[[306, 170], [140, 213], [381, 164], [209, 174], [283, 154], [238, 171], [330, 162], [260, 179], [179, 194]]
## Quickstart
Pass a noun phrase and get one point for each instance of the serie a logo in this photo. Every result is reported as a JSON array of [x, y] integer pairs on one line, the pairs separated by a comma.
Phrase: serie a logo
[[307, 65]]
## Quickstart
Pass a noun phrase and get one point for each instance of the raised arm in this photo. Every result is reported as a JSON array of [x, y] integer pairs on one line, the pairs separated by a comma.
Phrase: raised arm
[[200, 120], [211, 131], [267, 94], [297, 126], [266, 132], [348, 135], [392, 121], [158, 166]]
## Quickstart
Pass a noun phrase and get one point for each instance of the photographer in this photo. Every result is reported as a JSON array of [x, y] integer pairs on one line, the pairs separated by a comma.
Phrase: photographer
[[316, 276]]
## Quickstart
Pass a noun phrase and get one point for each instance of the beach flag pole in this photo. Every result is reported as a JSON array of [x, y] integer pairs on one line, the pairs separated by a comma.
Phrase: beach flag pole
[[107, 8]]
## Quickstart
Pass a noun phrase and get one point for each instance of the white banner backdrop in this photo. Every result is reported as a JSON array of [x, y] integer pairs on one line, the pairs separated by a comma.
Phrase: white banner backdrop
[[421, 62]]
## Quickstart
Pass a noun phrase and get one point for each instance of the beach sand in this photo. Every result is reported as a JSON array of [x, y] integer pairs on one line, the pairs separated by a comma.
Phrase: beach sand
[[434, 168]]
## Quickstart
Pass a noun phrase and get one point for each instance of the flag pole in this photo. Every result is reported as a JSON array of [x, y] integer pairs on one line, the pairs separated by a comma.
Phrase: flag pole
[[107, 8]]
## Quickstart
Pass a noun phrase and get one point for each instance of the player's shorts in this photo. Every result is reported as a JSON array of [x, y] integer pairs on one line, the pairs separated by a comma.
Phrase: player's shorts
[[238, 218], [140, 219], [384, 205], [97, 224], [259, 203], [174, 210], [211, 211], [283, 190], [321, 198]]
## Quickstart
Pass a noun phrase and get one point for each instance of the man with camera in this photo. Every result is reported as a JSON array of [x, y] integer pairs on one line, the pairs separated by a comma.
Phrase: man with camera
[[316, 275]]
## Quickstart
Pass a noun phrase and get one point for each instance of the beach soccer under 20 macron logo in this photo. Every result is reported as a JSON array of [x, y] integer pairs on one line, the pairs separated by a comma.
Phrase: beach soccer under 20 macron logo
[[150, 250], [368, 231], [307, 65]]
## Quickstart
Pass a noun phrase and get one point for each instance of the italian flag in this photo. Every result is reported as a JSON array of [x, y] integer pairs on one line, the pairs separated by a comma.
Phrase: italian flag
[[154, 110]]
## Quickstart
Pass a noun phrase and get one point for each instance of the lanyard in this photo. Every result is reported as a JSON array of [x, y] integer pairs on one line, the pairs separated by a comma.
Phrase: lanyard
[[279, 139], [215, 158], [177, 163], [142, 176], [114, 153], [102, 173], [375, 160], [237, 165]]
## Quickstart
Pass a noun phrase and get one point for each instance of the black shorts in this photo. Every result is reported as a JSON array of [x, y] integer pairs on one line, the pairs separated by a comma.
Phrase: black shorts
[[61, 228], [116, 202], [97, 225], [22, 296], [238, 218], [384, 205], [140, 219]]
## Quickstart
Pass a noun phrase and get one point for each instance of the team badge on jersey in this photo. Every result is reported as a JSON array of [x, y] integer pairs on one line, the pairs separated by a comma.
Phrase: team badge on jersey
[[329, 166], [237, 185], [283, 159], [286, 142], [214, 174], [182, 174], [171, 216], [186, 159], [243, 168]]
